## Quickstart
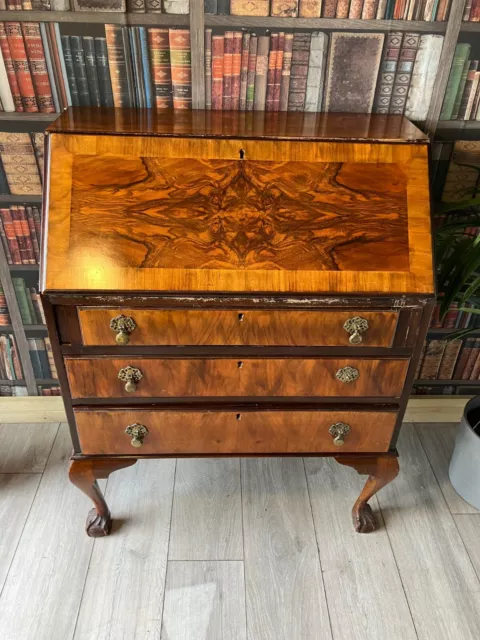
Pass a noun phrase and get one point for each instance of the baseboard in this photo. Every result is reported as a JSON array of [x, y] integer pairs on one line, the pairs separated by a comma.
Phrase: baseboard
[[50, 409]]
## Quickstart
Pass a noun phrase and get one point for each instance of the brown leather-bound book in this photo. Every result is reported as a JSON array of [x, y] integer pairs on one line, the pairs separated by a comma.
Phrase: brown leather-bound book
[[236, 69], [299, 71], [352, 71], [329, 8], [38, 66], [342, 9], [20, 64], [369, 10], [472, 357], [420, 361], [227, 70], [20, 164], [286, 70], [252, 65], [244, 71], [310, 8], [11, 236], [463, 358], [12, 78], [208, 68], [449, 359], [355, 10], [432, 360], [249, 7], [284, 8], [475, 12], [272, 65], [476, 368], [442, 10], [278, 71], [25, 230], [261, 74], [181, 65], [217, 72], [159, 45]]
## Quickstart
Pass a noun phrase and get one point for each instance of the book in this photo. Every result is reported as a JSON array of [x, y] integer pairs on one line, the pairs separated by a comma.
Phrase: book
[[51, 361], [181, 68], [472, 357], [153, 6], [423, 77], [272, 63], [6, 97], [20, 213], [145, 66], [159, 46], [260, 91], [137, 81], [432, 359], [9, 68], [403, 75], [103, 73], [21, 295], [461, 86], [310, 8], [52, 74], [21, 66], [12, 241], [4, 189], [465, 98], [474, 95], [278, 71], [38, 66], [60, 5], [475, 12], [329, 8], [388, 69], [249, 7], [355, 11], [236, 69], [227, 70], [218, 48], [181, 7], [352, 70], [223, 7], [475, 373], [208, 68], [4, 315], [284, 8], [4, 240], [56, 48], [286, 71], [462, 51], [299, 70], [91, 71], [117, 63], [462, 359], [210, 6], [316, 71], [342, 9], [252, 65], [34, 357], [80, 70], [243, 71], [136, 6], [369, 9], [20, 164], [33, 234], [70, 72], [99, 5]]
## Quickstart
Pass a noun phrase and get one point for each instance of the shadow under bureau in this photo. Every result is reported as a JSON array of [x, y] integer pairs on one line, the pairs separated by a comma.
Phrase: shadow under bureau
[[235, 284]]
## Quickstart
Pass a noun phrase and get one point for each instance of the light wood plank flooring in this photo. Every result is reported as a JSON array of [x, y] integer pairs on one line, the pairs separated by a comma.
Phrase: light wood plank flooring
[[253, 549]]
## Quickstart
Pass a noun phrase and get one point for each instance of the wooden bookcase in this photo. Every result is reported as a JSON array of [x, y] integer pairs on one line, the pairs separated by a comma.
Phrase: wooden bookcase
[[453, 29]]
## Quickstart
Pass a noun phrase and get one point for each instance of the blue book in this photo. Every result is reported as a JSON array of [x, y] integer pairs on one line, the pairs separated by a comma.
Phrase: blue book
[[147, 75]]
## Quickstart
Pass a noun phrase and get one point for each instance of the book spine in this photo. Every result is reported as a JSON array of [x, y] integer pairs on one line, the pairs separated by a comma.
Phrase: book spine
[[128, 57], [388, 69], [6, 97], [236, 69], [159, 46], [329, 8], [20, 64], [59, 63], [423, 77], [60, 5], [223, 7], [4, 189], [403, 75], [462, 52], [278, 71], [244, 71], [20, 165], [137, 78], [252, 65], [369, 9], [181, 68], [471, 97], [381, 9], [153, 6], [463, 358], [29, 251], [117, 65], [9, 68], [472, 357], [299, 71], [5, 244], [218, 47], [467, 88], [145, 65], [80, 70], [72, 82], [11, 236], [103, 73], [38, 222], [38, 66], [272, 64], [260, 94], [249, 7], [208, 69], [476, 100], [91, 71], [316, 71], [19, 233], [475, 12], [4, 315], [50, 68], [449, 359], [136, 6], [432, 360], [342, 9], [227, 70], [461, 86], [466, 10], [356, 7], [33, 234], [286, 70], [210, 6], [310, 8], [180, 7], [284, 8]]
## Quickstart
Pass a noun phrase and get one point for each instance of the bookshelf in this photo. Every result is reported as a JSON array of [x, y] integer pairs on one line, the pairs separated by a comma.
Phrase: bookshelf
[[453, 30]]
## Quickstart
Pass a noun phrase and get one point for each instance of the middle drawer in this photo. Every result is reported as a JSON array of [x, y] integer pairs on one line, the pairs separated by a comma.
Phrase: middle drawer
[[233, 377]]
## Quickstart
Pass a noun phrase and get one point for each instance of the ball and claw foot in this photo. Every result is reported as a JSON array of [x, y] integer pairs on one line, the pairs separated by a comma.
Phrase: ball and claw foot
[[98, 526], [363, 518]]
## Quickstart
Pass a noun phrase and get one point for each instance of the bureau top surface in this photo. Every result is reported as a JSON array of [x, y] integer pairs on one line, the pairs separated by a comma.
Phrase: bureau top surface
[[235, 124], [279, 210]]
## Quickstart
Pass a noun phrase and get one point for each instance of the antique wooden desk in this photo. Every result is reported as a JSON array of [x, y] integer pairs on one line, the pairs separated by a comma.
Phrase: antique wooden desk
[[222, 284]]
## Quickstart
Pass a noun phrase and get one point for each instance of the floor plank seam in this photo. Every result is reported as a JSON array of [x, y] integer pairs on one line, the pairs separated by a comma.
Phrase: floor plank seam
[[243, 549], [318, 548], [168, 545], [467, 515]]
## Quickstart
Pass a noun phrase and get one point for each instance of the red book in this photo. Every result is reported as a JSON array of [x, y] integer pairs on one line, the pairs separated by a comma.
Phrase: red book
[[38, 66], [11, 236], [236, 69], [12, 78], [227, 70], [19, 232], [217, 72], [278, 71], [475, 12], [181, 66], [272, 66], [29, 252], [329, 9], [20, 64], [451, 316], [159, 46]]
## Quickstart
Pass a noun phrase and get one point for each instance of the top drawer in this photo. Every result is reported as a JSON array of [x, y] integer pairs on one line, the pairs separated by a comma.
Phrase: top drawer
[[238, 327]]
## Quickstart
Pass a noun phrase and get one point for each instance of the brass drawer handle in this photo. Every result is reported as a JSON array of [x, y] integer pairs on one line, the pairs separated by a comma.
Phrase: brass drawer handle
[[355, 326], [137, 432], [130, 375], [339, 430], [123, 326], [347, 374]]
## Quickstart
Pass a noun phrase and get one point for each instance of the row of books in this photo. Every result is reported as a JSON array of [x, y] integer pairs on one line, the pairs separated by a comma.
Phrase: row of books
[[21, 390], [454, 360], [462, 96], [471, 12], [40, 350], [10, 366], [356, 9], [4, 314], [455, 319], [20, 234], [133, 6], [21, 163], [341, 72], [50, 391], [29, 302]]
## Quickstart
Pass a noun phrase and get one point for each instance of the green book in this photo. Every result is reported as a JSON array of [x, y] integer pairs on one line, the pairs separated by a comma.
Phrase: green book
[[461, 87], [19, 286], [462, 51], [31, 309]]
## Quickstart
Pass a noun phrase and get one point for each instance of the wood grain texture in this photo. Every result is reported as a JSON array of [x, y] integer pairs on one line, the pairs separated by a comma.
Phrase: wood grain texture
[[469, 529], [438, 444], [234, 378], [204, 600], [364, 592], [440, 583], [207, 501], [237, 327], [25, 448], [216, 432], [285, 591], [136, 554], [254, 228]]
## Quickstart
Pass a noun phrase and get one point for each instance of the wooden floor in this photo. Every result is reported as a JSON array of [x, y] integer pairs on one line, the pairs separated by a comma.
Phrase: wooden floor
[[257, 549]]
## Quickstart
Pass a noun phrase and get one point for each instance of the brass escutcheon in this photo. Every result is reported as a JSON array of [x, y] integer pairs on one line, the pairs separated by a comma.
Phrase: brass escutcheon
[[130, 375], [339, 430], [355, 326], [347, 374], [123, 326], [137, 433]]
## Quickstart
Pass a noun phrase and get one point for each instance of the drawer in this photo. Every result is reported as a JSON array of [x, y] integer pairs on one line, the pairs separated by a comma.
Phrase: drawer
[[230, 432], [240, 327], [175, 377]]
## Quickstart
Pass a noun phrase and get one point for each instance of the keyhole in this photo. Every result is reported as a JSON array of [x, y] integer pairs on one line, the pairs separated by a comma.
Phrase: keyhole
[[240, 365], [241, 316], [238, 416], [242, 154]]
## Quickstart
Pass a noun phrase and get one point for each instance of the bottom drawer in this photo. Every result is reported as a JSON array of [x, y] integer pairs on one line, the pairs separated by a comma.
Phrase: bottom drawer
[[168, 431]]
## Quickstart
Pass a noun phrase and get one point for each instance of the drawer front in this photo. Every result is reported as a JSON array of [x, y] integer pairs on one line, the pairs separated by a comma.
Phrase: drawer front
[[239, 327], [172, 377], [230, 432]]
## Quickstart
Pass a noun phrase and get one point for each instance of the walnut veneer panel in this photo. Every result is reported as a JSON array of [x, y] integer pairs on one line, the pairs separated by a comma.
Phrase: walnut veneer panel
[[237, 327], [257, 432], [138, 213], [175, 377]]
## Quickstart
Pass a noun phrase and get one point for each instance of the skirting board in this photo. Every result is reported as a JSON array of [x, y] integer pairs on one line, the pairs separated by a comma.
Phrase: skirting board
[[50, 409]]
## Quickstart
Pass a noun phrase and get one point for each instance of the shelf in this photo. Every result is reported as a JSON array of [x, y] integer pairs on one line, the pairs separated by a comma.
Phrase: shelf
[[28, 117], [337, 24], [446, 332], [13, 383], [453, 129], [24, 267], [45, 381], [470, 26], [6, 327], [97, 17], [445, 383], [34, 327], [11, 199]]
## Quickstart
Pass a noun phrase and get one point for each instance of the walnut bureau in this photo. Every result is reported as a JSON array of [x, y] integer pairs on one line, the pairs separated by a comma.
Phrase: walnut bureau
[[235, 284]]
